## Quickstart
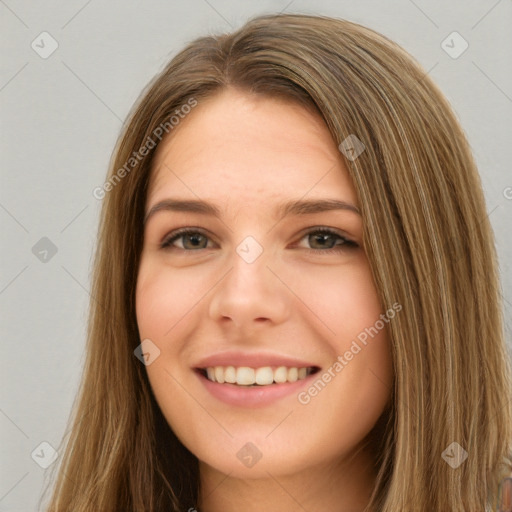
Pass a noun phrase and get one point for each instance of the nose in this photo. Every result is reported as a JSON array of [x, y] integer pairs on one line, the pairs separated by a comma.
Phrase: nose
[[250, 294]]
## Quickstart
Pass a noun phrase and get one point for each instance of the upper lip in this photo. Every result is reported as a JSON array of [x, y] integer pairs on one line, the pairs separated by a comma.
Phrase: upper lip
[[256, 360]]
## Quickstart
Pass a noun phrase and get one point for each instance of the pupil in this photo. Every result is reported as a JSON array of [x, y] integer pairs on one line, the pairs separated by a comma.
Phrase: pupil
[[195, 240], [322, 238]]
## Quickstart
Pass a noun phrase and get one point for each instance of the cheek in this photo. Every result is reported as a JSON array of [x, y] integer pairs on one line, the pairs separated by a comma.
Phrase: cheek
[[346, 302], [344, 299], [163, 299]]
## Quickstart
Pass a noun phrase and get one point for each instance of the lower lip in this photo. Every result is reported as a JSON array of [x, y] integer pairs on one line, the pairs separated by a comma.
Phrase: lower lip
[[256, 396]]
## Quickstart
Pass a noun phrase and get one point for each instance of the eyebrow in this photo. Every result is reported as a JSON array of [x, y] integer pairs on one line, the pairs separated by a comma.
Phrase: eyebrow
[[296, 207]]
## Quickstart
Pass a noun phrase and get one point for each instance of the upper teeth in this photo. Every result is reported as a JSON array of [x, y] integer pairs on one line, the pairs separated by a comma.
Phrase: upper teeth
[[245, 376]]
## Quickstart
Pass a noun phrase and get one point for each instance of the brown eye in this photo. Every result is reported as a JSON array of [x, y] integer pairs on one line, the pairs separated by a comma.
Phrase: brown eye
[[190, 240], [325, 240]]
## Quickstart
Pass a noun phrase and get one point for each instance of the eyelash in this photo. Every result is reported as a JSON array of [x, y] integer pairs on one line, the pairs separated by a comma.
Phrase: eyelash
[[345, 245]]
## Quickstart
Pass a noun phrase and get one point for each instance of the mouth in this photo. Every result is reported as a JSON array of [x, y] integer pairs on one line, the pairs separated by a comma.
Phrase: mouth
[[249, 380], [265, 376]]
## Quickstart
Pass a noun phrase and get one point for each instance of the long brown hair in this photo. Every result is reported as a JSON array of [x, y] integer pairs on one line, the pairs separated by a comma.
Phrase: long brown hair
[[427, 237]]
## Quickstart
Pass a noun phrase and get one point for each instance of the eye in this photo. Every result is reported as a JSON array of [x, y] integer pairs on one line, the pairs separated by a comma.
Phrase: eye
[[191, 239], [328, 240], [323, 240]]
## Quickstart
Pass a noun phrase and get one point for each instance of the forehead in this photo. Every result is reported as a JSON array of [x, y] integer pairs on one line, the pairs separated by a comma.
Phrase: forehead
[[240, 146]]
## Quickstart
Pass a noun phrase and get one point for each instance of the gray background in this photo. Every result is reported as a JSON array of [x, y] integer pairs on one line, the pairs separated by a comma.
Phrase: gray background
[[61, 116]]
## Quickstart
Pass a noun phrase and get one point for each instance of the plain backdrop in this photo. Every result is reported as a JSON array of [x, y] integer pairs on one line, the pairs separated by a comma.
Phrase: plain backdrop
[[61, 115]]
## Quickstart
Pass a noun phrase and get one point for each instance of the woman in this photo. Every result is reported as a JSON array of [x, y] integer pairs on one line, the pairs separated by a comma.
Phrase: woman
[[295, 298]]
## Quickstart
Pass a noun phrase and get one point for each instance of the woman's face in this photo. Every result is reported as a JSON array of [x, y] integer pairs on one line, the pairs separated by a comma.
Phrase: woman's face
[[268, 351]]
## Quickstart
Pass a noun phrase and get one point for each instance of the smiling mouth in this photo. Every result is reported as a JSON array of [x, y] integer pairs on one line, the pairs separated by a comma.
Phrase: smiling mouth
[[252, 377]]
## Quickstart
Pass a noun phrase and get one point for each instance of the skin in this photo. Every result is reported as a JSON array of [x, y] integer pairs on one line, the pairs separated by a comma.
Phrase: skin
[[247, 155]]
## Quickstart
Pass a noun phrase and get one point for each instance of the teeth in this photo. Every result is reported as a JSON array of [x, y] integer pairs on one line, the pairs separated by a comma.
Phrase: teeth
[[281, 374], [293, 374], [245, 376], [219, 374], [265, 376], [229, 374]]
